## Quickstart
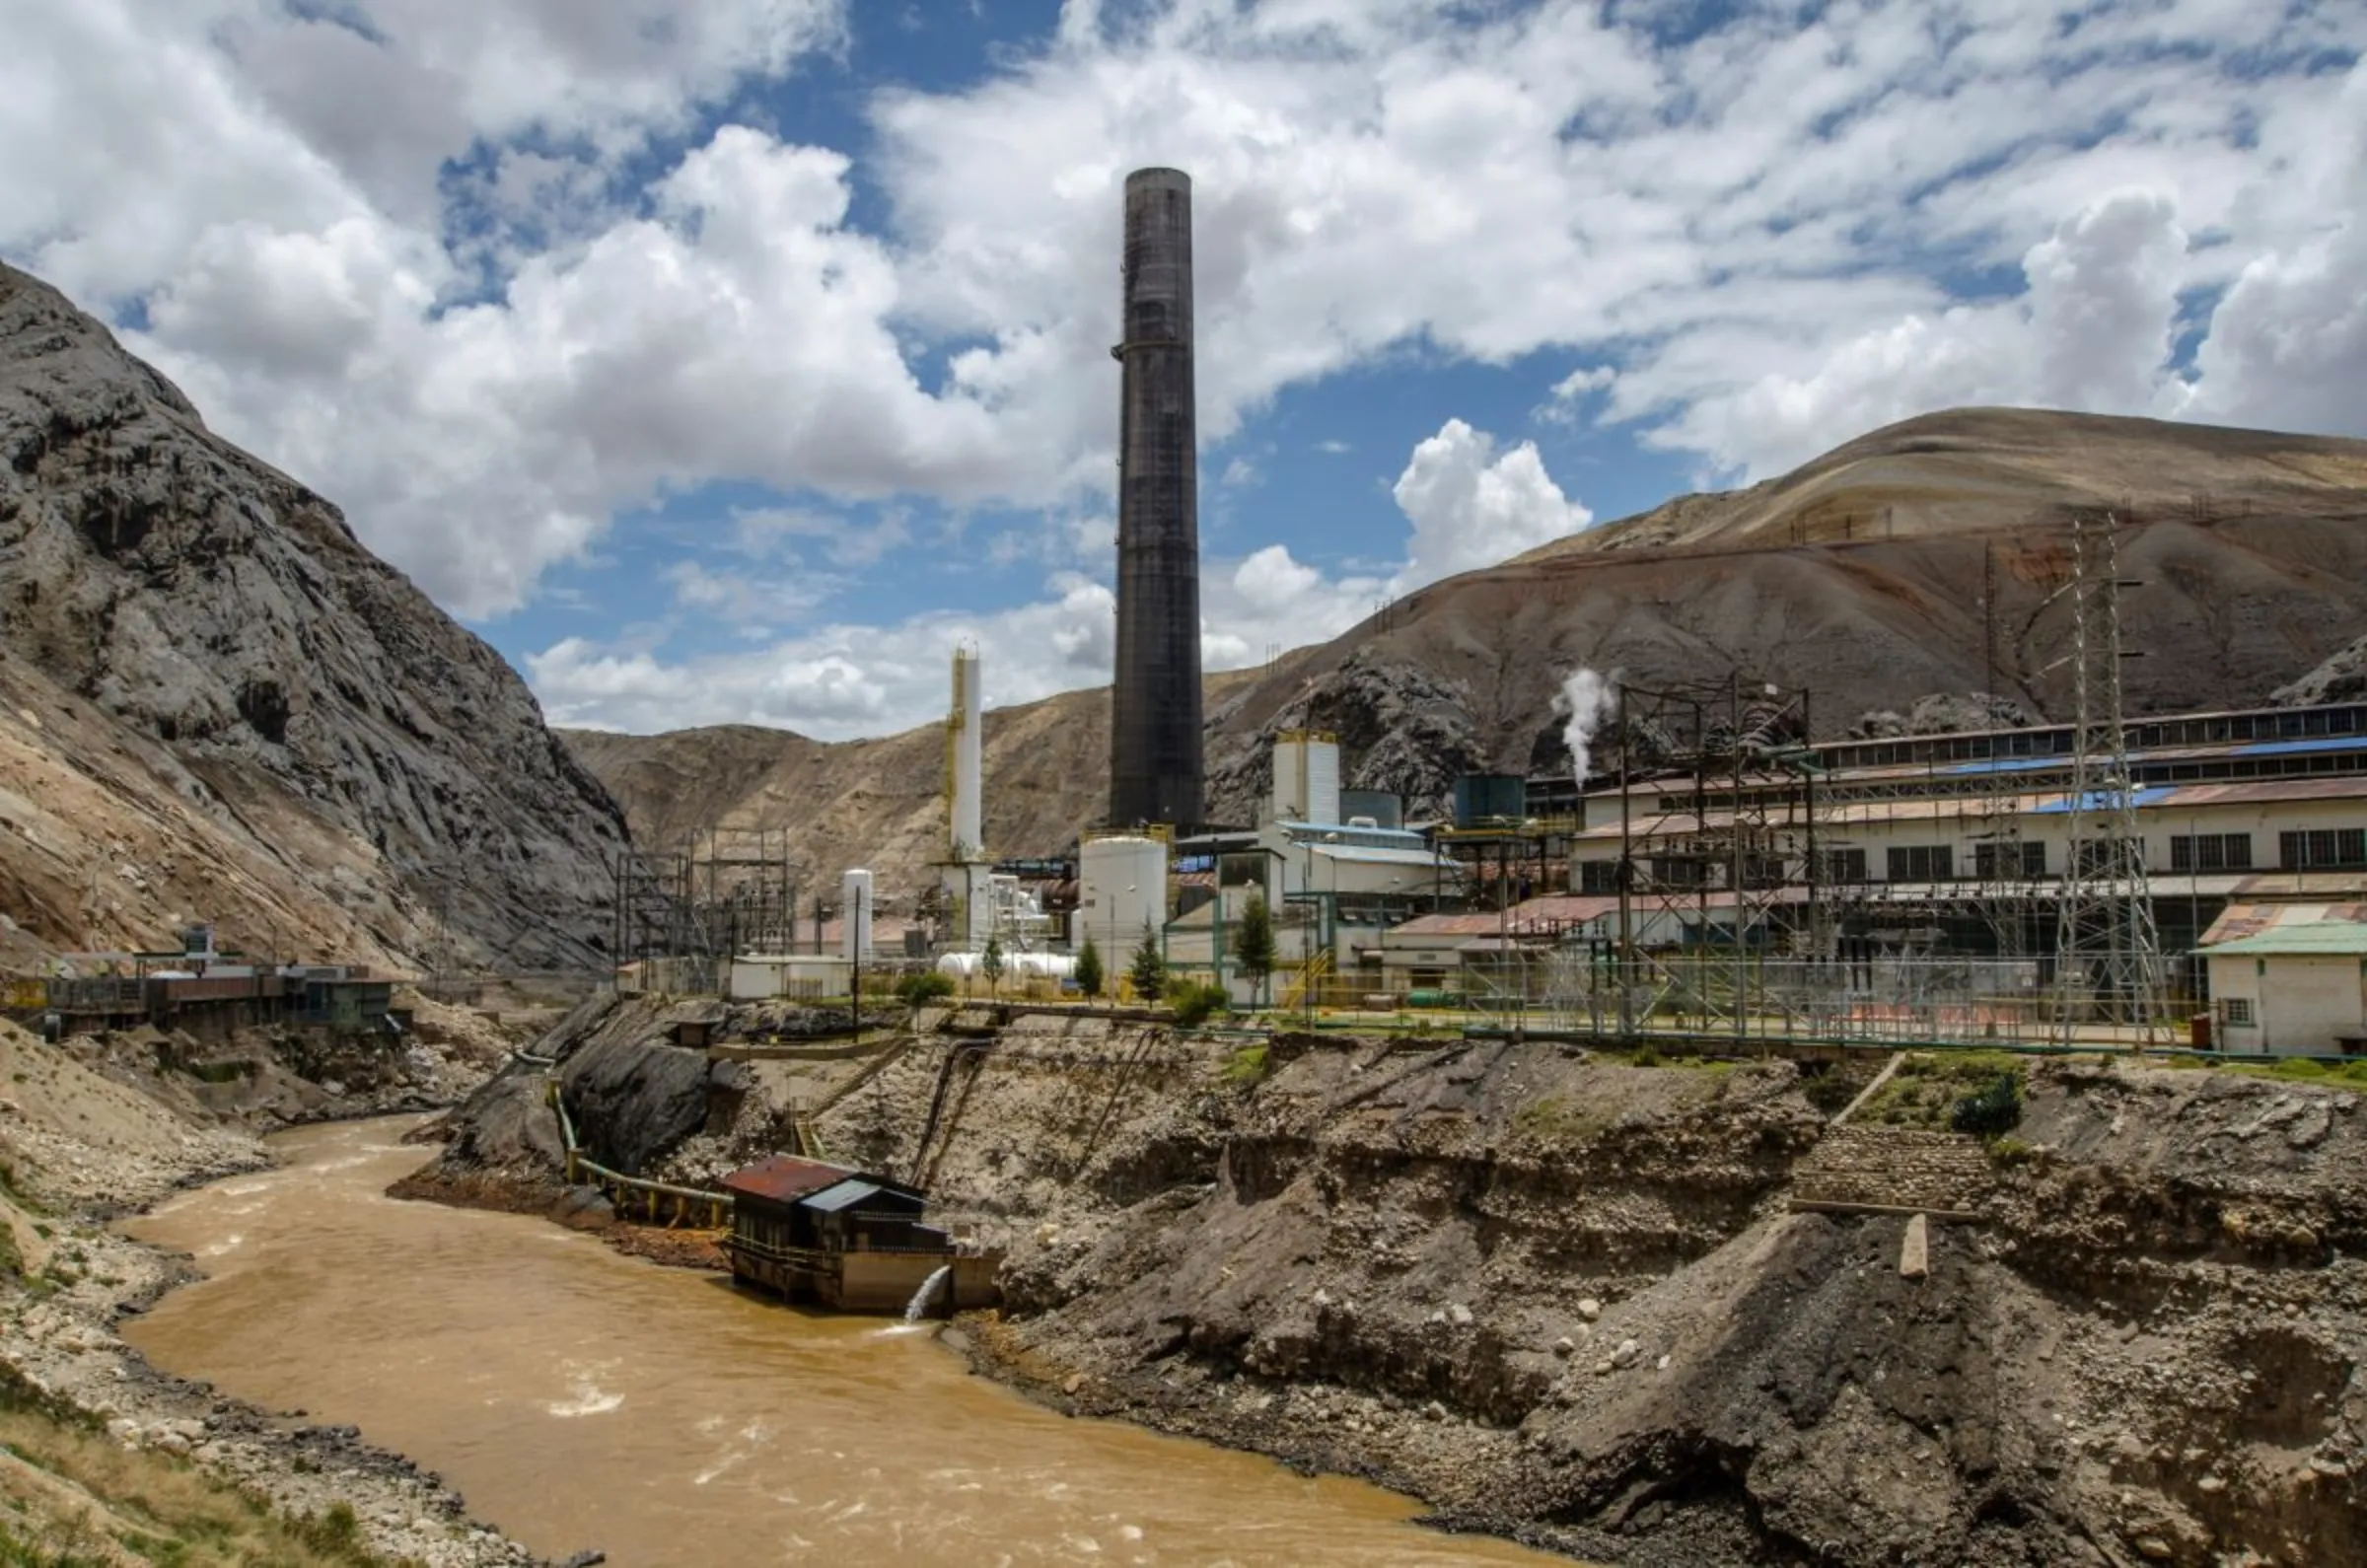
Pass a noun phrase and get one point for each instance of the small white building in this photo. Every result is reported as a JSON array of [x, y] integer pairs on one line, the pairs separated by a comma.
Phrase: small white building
[[2293, 990], [802, 976]]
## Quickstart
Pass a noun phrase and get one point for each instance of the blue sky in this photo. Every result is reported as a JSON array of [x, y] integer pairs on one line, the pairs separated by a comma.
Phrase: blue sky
[[727, 361]]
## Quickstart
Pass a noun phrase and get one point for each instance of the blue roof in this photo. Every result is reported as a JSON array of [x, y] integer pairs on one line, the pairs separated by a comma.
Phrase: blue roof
[[2103, 800], [2007, 764], [1360, 854], [1343, 828], [2330, 743]]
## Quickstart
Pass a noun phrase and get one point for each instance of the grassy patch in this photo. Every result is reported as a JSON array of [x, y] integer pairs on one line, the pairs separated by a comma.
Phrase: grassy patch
[[2303, 1070], [1924, 1090], [70, 1497], [1558, 1118], [1248, 1065]]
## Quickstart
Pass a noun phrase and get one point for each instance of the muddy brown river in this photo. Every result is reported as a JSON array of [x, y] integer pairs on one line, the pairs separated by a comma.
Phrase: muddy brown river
[[579, 1398]]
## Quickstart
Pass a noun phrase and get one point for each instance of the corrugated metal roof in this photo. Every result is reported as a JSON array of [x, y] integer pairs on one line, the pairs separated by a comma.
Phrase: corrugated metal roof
[[1447, 925], [2239, 920], [1359, 854], [1528, 918], [853, 1191], [847, 1195], [785, 1178], [2333, 939], [1565, 907]]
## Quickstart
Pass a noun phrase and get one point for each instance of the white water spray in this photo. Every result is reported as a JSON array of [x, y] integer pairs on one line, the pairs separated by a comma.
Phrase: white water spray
[[1591, 698], [919, 1304]]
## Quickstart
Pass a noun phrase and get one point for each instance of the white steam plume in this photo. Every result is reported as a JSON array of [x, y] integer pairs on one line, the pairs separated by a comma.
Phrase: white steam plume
[[1589, 698]]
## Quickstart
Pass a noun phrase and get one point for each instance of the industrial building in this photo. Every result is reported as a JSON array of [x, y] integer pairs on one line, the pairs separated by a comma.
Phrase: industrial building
[[1967, 841], [813, 1232], [197, 986], [1333, 878], [2297, 988]]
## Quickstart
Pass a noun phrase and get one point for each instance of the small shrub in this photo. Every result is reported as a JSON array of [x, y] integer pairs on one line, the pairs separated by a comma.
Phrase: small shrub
[[919, 990], [1248, 1065], [2011, 1151], [334, 1529], [1645, 1057], [1830, 1091], [1193, 1002], [1990, 1112]]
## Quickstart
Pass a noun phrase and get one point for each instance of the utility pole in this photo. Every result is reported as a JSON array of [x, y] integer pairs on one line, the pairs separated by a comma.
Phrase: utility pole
[[2104, 934]]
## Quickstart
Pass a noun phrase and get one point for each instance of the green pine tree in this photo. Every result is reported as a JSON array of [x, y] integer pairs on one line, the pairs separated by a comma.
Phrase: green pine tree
[[1089, 968], [1253, 945], [990, 963], [1148, 971]]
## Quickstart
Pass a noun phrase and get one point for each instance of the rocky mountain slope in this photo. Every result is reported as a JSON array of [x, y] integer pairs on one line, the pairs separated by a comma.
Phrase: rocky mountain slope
[[219, 704], [1923, 558]]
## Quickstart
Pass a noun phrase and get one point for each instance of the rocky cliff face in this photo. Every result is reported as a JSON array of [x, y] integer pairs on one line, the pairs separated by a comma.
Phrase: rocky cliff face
[[279, 697], [1568, 1296], [1921, 559]]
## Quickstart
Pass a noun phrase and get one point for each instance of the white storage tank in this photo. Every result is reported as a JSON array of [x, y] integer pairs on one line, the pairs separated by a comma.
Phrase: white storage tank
[[855, 905], [1121, 884], [1306, 777]]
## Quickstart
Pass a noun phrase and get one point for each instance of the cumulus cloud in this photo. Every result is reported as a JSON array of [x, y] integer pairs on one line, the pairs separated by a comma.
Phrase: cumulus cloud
[[740, 329], [492, 275], [836, 682], [2090, 331], [1473, 506]]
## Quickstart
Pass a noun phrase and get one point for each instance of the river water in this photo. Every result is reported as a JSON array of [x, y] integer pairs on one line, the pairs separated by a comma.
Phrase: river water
[[579, 1398]]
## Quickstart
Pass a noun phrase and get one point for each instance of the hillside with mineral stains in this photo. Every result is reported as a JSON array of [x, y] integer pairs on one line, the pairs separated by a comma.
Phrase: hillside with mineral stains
[[1922, 559], [221, 706], [1568, 1295]]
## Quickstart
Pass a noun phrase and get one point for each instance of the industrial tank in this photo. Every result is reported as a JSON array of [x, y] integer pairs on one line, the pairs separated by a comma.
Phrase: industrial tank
[[1386, 807], [1121, 885]]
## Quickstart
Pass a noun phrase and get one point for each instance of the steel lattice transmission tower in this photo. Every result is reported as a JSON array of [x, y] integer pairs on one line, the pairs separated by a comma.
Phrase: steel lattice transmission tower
[[2105, 947]]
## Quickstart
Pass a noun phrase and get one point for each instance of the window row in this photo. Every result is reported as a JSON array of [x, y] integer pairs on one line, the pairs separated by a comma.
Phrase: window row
[[2311, 849]]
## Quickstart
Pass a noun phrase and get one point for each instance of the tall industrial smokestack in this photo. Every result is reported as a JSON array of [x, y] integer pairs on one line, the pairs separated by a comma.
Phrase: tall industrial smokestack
[[1155, 769]]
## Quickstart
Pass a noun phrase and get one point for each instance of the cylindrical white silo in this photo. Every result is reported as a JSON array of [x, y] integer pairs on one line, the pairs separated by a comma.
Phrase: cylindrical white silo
[[1323, 779], [965, 786], [1306, 785], [1122, 885], [854, 915]]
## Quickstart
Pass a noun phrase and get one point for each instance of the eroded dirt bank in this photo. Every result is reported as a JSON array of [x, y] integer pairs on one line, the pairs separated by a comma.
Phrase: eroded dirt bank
[[1568, 1297]]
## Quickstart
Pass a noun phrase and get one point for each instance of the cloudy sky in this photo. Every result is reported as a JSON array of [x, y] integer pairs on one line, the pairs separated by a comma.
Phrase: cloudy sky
[[727, 360]]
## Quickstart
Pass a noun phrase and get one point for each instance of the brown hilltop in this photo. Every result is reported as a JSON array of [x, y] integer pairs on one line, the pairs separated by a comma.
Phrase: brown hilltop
[[1860, 575], [1975, 471]]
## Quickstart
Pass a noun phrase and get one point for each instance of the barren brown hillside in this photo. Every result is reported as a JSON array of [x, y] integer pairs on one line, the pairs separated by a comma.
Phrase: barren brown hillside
[[1861, 576], [1984, 469]]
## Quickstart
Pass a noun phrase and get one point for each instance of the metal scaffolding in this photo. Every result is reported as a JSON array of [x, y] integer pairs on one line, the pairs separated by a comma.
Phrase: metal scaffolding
[[681, 916], [2107, 954], [1729, 827]]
